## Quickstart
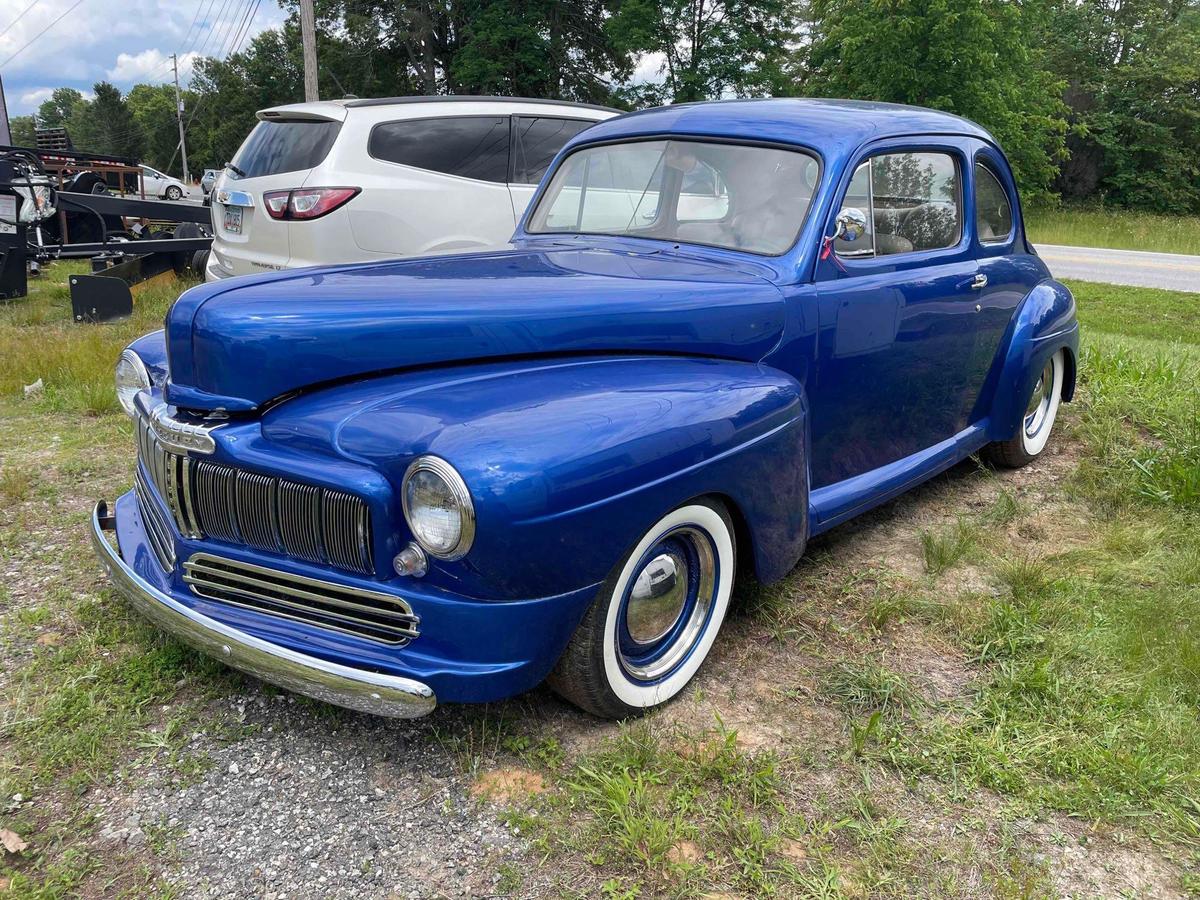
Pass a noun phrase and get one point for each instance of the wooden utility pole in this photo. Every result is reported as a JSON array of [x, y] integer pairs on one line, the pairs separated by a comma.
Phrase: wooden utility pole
[[308, 38], [179, 116]]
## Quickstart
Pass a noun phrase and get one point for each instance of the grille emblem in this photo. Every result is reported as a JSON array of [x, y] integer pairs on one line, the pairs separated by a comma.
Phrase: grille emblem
[[181, 437]]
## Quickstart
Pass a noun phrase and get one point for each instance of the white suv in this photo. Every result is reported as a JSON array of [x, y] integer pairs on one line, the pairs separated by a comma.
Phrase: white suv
[[352, 180]]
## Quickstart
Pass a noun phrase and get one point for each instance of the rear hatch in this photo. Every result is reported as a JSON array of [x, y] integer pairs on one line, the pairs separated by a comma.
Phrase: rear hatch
[[278, 154]]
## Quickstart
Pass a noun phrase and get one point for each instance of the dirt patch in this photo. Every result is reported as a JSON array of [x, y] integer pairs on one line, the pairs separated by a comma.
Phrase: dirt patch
[[684, 853], [508, 785]]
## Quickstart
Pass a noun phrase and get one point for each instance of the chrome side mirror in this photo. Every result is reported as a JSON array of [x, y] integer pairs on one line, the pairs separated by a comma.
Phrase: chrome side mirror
[[851, 224]]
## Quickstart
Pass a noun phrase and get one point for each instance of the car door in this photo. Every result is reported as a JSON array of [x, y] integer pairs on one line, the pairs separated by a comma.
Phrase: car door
[[433, 185], [536, 140], [1009, 269], [897, 311], [153, 182]]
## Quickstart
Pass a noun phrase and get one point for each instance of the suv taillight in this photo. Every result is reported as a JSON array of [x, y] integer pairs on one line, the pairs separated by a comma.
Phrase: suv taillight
[[306, 203]]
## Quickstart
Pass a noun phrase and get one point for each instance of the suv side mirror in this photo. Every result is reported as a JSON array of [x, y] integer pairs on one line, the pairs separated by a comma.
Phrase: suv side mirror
[[851, 224]]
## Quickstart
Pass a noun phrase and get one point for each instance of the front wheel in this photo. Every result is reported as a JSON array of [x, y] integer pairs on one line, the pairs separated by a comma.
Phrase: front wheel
[[1030, 440], [655, 618], [174, 193]]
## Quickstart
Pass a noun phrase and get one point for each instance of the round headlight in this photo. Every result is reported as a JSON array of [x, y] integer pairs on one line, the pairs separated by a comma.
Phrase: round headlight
[[438, 508], [132, 379]]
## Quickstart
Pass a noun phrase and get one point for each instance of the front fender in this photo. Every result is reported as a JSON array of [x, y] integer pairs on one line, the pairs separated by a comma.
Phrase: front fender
[[1044, 324], [570, 461]]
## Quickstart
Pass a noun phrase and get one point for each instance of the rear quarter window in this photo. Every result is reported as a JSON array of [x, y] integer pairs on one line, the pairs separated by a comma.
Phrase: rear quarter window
[[537, 141], [276, 146], [467, 146]]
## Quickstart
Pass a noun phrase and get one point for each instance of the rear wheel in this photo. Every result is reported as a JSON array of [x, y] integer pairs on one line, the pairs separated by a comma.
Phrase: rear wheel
[[655, 618], [1031, 438]]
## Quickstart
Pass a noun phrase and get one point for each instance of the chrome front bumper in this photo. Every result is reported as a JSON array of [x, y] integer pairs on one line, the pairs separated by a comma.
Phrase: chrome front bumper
[[370, 692]]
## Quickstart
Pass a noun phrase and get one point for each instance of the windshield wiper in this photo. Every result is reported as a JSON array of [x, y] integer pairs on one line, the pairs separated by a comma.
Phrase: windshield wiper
[[235, 170]]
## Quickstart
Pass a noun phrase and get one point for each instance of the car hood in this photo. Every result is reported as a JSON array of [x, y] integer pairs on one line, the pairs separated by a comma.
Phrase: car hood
[[239, 345]]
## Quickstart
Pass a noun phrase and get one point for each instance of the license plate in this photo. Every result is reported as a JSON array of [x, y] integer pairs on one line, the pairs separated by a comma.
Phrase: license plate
[[233, 219]]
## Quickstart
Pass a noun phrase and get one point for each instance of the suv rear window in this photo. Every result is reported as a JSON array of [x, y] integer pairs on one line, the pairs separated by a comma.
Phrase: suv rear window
[[469, 146], [285, 146]]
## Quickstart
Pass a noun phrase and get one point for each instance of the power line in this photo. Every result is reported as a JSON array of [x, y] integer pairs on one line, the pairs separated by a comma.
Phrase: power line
[[40, 33], [244, 31], [18, 18]]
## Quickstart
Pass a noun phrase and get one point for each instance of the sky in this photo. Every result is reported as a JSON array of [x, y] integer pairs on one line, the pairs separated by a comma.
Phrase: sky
[[121, 41]]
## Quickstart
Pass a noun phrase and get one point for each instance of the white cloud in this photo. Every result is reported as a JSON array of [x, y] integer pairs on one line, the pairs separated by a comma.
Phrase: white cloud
[[35, 97], [149, 65], [126, 42]]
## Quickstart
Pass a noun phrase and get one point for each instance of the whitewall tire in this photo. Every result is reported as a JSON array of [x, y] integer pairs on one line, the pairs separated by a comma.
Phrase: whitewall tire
[[655, 618], [1038, 420]]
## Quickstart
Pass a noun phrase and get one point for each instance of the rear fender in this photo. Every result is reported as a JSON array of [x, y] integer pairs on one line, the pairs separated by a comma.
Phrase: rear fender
[[1044, 324]]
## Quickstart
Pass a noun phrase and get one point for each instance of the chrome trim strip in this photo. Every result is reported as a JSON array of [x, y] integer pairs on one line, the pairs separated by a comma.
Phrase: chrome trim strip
[[157, 532], [235, 198], [357, 689]]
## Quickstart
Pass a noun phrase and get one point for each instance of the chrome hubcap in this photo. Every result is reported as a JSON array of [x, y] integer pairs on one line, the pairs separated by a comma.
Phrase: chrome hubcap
[[1039, 403], [658, 597], [667, 606]]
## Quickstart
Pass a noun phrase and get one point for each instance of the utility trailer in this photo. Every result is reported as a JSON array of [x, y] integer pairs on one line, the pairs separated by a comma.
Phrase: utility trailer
[[128, 239]]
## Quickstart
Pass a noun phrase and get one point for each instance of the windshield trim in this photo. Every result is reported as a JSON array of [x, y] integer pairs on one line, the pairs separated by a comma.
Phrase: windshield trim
[[687, 138]]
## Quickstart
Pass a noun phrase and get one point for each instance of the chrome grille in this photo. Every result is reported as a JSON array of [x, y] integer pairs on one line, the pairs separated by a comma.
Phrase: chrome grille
[[369, 614], [268, 513], [157, 530]]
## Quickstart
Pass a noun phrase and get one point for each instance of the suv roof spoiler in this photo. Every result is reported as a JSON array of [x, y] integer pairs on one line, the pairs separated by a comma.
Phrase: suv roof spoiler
[[466, 98], [304, 112]]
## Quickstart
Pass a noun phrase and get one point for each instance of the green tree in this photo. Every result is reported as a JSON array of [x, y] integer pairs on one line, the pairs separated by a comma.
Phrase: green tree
[[545, 48], [974, 58], [709, 48], [1133, 87], [57, 111], [105, 124], [23, 129], [153, 109]]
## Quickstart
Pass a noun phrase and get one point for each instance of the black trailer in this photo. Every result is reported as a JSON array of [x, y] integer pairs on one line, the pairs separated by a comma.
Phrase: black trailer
[[128, 239]]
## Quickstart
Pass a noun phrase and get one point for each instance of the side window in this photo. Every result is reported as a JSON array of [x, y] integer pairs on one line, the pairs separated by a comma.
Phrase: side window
[[858, 196], [536, 141], [469, 146], [993, 214], [914, 202]]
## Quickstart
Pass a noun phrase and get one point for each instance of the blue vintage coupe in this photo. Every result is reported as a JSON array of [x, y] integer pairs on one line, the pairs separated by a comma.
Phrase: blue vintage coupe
[[720, 329]]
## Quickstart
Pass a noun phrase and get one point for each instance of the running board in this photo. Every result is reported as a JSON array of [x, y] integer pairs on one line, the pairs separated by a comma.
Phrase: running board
[[835, 503]]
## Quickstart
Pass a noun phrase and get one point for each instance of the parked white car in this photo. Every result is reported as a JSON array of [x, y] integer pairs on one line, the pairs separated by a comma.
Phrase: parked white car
[[159, 184], [354, 180]]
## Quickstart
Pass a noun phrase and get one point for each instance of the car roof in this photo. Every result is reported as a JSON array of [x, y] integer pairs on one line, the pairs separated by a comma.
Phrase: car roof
[[832, 127], [336, 109]]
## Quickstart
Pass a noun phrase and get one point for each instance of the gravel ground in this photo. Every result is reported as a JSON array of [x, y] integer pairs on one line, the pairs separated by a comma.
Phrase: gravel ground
[[311, 805]]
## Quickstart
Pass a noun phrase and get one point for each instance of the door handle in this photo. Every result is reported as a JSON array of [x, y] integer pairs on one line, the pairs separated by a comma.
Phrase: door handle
[[979, 282]]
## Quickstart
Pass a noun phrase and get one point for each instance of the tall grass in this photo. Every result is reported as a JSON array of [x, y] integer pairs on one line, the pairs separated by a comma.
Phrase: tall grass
[[1118, 229], [39, 339]]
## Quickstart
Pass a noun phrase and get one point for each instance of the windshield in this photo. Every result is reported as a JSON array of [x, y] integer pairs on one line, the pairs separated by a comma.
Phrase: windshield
[[724, 195]]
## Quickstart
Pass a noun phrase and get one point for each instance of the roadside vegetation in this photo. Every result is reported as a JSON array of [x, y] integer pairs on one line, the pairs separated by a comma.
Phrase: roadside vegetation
[[988, 687], [1119, 229]]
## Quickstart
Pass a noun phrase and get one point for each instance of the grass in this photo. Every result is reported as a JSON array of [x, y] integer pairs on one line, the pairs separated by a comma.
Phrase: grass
[[1118, 229], [39, 340], [88, 699], [1137, 312], [1075, 638]]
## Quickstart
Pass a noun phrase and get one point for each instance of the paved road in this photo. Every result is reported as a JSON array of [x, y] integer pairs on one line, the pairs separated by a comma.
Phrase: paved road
[[1162, 270]]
